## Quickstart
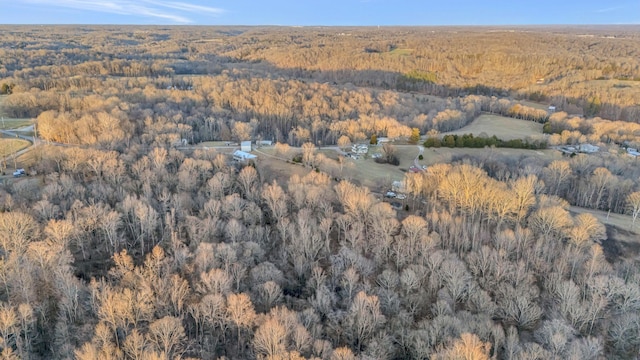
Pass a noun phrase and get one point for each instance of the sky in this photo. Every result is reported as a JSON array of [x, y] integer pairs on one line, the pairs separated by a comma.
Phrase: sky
[[320, 12]]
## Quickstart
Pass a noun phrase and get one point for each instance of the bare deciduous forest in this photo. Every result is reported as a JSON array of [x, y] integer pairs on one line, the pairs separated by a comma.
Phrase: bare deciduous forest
[[129, 240]]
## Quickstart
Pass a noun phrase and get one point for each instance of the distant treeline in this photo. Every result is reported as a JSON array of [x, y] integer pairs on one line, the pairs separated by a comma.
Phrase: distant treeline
[[469, 141]]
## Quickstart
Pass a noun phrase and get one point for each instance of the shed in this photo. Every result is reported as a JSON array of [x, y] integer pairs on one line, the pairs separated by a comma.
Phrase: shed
[[243, 156], [245, 146]]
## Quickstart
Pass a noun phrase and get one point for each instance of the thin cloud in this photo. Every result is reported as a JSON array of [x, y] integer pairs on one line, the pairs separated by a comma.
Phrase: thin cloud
[[164, 10], [610, 9]]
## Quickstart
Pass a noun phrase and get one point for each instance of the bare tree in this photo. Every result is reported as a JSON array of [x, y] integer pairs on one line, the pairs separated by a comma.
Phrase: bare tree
[[633, 206], [308, 154], [270, 339], [167, 335], [240, 313], [364, 319]]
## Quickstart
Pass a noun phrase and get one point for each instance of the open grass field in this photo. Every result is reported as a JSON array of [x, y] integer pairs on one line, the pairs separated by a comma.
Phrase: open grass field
[[8, 123], [9, 146], [378, 177], [534, 105], [401, 52], [623, 240], [505, 128], [444, 155]]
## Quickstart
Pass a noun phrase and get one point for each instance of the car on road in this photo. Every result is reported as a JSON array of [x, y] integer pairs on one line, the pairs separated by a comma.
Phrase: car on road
[[390, 194]]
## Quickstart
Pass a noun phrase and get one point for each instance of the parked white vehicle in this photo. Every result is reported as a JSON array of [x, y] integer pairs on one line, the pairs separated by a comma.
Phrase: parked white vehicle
[[401, 196], [390, 194], [19, 173]]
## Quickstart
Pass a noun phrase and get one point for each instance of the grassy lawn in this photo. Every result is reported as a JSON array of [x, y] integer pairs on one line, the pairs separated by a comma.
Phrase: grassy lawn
[[11, 123], [622, 239], [505, 128], [9, 146], [535, 105], [444, 155], [366, 172], [401, 52]]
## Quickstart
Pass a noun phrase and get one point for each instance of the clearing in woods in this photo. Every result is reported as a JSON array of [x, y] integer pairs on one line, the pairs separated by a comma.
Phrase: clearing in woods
[[504, 128], [366, 172], [7, 123]]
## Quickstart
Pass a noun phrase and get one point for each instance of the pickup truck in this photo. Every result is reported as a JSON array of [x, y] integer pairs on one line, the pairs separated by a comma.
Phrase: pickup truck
[[19, 173]]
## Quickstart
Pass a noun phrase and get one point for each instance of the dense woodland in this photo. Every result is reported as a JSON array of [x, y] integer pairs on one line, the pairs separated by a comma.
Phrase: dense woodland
[[125, 244]]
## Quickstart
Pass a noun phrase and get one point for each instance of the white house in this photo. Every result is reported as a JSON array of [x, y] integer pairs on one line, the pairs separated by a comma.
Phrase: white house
[[243, 156], [588, 148], [245, 146], [382, 140], [633, 152], [359, 148]]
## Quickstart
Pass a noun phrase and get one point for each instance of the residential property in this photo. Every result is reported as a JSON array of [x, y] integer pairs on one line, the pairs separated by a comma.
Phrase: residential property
[[382, 140], [359, 148], [633, 152], [588, 148], [398, 186], [245, 146], [243, 156]]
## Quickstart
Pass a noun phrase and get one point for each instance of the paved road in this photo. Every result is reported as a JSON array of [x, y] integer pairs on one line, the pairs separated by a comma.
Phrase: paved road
[[17, 135]]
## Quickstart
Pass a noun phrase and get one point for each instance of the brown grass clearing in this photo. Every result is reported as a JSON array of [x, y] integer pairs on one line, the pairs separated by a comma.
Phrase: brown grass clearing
[[504, 128], [10, 146]]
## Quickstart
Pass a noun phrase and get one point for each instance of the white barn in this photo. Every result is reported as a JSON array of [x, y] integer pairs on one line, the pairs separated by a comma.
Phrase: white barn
[[245, 146], [243, 156]]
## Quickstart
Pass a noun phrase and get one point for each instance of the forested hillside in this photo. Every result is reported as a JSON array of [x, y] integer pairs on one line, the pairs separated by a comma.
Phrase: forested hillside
[[128, 241]]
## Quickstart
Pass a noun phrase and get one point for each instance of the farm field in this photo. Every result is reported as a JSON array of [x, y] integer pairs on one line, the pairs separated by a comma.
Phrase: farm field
[[504, 128]]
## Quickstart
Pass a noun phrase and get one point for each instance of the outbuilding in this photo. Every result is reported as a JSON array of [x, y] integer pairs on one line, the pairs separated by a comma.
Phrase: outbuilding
[[243, 156], [245, 146]]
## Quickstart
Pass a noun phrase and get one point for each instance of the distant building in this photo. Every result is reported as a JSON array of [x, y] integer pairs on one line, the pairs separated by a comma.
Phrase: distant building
[[567, 150], [264, 143], [588, 148], [398, 186], [245, 146], [633, 152], [360, 148], [382, 140], [243, 156]]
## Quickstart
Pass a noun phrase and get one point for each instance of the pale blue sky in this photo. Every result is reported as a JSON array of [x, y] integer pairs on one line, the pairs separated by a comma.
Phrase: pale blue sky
[[320, 12]]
